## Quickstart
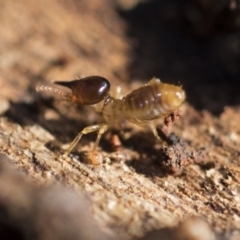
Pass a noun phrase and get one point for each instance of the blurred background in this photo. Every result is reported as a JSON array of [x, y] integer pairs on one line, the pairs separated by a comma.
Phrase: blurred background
[[194, 43]]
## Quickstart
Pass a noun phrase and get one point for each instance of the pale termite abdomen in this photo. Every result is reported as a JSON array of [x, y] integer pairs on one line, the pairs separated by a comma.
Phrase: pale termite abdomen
[[152, 101]]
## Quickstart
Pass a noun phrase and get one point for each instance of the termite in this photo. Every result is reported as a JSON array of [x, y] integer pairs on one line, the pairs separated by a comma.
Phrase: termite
[[141, 106]]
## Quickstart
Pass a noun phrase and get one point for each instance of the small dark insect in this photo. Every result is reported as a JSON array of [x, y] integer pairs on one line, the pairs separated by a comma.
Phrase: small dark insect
[[141, 107]]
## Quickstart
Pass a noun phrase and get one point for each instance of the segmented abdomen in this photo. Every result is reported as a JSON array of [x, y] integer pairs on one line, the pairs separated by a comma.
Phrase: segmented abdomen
[[152, 101], [144, 103]]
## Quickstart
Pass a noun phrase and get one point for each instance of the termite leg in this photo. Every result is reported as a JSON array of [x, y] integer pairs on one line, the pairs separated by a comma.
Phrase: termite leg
[[154, 80], [151, 126], [101, 128], [154, 130], [101, 131], [117, 92]]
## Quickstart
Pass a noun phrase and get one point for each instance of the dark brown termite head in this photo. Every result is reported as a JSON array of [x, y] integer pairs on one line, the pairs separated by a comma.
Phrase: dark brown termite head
[[86, 91], [89, 90]]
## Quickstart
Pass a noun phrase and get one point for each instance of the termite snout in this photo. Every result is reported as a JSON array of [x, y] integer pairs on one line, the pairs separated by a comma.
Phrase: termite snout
[[85, 91], [172, 96], [88, 90]]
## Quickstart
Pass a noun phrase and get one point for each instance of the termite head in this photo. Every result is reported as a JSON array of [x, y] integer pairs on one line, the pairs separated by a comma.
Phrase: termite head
[[172, 96], [86, 91]]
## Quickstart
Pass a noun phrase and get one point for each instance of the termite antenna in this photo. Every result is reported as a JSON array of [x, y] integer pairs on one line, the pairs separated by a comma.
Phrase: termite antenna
[[52, 89]]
